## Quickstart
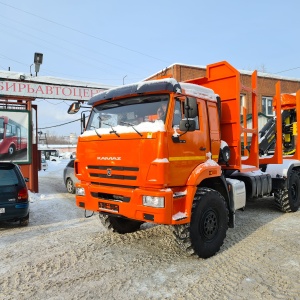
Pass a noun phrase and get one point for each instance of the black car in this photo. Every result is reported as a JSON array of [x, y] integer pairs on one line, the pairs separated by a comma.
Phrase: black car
[[14, 198]]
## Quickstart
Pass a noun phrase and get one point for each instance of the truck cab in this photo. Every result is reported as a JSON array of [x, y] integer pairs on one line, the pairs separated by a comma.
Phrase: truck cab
[[139, 163]]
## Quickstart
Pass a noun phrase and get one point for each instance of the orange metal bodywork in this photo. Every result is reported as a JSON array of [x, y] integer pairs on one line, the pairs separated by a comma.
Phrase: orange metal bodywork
[[283, 102], [289, 101], [154, 165], [297, 152], [225, 81]]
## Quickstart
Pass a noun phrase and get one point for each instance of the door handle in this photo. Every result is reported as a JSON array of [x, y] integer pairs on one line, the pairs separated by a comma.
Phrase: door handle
[[202, 148]]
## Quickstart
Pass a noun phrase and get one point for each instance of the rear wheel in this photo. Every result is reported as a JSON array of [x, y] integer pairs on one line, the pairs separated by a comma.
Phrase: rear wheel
[[24, 221], [288, 200], [205, 234], [119, 224]]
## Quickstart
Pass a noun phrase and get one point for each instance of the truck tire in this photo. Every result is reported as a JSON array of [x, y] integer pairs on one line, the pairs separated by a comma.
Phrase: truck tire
[[119, 224], [288, 200], [205, 235]]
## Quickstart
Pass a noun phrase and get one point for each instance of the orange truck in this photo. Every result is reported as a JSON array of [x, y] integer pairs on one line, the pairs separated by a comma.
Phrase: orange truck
[[169, 152]]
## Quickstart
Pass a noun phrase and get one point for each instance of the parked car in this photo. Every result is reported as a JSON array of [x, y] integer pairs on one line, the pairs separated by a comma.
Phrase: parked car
[[69, 177], [14, 199], [44, 164]]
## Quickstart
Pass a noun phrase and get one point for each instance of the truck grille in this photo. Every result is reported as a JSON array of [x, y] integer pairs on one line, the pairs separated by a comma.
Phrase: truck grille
[[115, 185], [123, 177], [116, 168], [113, 172]]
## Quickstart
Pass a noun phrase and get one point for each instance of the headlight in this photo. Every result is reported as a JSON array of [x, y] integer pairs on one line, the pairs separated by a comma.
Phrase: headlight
[[80, 191], [154, 201]]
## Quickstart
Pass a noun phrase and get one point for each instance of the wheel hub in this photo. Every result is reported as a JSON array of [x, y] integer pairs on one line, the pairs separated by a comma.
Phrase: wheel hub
[[210, 224]]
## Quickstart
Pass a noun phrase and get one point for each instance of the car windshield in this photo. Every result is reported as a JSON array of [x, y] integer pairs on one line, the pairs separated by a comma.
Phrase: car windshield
[[130, 111]]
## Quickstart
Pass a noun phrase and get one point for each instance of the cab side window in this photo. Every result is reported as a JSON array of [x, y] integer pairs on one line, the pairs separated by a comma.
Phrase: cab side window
[[196, 119], [179, 114]]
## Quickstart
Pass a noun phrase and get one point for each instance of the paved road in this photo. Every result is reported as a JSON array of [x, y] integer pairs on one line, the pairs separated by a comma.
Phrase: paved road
[[63, 255]]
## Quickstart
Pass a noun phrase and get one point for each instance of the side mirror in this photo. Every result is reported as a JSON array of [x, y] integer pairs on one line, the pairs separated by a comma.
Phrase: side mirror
[[83, 124], [190, 108], [74, 108], [187, 125]]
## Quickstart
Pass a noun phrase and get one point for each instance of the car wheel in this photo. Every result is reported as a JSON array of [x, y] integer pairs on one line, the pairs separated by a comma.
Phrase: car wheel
[[70, 186], [24, 221], [11, 150]]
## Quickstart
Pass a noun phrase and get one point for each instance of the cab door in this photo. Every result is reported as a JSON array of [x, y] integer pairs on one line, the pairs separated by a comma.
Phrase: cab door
[[214, 129], [191, 148]]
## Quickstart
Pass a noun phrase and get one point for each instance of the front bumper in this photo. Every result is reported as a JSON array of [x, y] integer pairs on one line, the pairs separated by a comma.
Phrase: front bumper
[[128, 202]]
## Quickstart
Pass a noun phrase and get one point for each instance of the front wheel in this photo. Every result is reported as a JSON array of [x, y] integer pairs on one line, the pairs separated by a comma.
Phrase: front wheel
[[205, 234], [119, 224], [70, 186]]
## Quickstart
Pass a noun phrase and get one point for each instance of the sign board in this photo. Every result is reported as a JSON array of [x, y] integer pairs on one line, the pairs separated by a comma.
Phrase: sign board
[[14, 84], [47, 91]]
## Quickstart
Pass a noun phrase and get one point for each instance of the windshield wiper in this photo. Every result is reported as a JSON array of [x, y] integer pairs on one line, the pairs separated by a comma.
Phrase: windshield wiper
[[112, 129], [132, 125], [98, 133]]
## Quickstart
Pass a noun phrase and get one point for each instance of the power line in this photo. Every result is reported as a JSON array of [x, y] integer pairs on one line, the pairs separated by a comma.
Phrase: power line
[[59, 49], [84, 33], [56, 37], [59, 124], [6, 57], [287, 70]]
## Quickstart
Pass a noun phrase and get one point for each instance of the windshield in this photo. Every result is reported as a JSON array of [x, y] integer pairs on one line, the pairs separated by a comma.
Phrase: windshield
[[130, 111]]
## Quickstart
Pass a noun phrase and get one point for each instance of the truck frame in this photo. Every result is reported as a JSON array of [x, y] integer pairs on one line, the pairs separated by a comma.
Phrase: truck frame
[[185, 169]]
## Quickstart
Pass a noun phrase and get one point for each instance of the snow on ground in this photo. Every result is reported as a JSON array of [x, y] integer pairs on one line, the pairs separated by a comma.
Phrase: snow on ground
[[63, 255]]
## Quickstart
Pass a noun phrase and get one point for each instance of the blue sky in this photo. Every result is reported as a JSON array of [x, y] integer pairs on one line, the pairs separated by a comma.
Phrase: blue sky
[[112, 42]]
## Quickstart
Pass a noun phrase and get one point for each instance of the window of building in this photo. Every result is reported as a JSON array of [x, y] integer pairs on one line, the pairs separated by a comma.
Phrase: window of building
[[267, 106]]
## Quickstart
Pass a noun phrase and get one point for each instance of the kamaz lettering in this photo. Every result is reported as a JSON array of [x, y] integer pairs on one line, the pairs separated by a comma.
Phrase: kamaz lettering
[[109, 158]]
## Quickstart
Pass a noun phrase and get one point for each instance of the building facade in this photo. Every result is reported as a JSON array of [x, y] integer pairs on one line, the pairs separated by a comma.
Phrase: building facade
[[265, 87]]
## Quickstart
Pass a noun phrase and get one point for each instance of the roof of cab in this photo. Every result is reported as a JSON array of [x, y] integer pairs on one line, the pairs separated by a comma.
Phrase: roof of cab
[[167, 84], [160, 85]]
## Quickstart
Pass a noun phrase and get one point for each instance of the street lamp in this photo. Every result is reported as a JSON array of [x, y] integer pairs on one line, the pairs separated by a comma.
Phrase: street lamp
[[38, 60], [124, 78]]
